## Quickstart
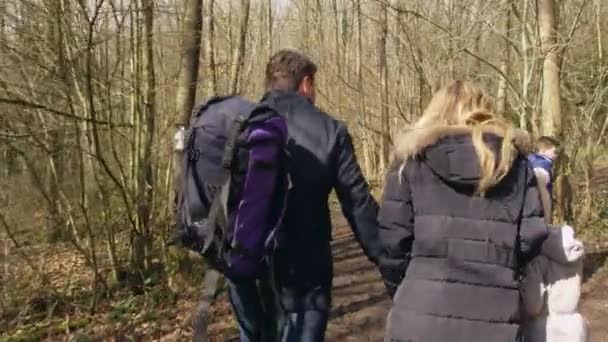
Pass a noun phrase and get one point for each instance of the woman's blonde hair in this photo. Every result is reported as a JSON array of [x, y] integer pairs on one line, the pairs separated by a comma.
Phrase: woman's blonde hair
[[463, 104]]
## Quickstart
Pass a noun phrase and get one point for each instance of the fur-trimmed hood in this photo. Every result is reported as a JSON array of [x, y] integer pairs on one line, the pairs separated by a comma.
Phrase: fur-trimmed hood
[[411, 141], [449, 150]]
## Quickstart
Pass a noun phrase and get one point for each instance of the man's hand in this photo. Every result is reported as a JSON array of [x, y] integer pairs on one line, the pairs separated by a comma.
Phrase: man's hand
[[392, 279]]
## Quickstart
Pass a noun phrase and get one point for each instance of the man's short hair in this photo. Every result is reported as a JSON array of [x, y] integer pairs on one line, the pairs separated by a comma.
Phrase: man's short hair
[[546, 142], [286, 70]]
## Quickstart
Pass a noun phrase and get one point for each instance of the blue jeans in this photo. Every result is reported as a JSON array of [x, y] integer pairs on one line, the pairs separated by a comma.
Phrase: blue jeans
[[257, 312]]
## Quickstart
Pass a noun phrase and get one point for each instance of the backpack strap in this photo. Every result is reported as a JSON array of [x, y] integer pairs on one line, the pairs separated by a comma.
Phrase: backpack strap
[[187, 160], [201, 318], [261, 113], [258, 114], [520, 220], [220, 200], [202, 107], [219, 205]]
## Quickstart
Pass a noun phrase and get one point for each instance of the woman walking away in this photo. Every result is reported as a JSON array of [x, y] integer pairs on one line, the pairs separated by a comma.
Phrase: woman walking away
[[462, 209]]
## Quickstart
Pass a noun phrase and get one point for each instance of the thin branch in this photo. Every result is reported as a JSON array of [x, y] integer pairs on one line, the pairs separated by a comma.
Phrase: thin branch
[[13, 136], [497, 32], [33, 105], [570, 35], [465, 50], [16, 243]]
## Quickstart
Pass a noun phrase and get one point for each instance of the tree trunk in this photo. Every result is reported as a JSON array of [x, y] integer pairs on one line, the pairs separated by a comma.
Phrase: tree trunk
[[334, 7], [347, 35], [587, 197], [337, 55], [191, 40], [211, 50], [55, 179], [239, 54], [270, 23], [147, 168], [305, 40], [598, 29], [367, 162], [10, 161], [319, 22], [505, 29], [551, 97], [526, 74], [384, 96], [3, 20], [451, 43], [137, 240]]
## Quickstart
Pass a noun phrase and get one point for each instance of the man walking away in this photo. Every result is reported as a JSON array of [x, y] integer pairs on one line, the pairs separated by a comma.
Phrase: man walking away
[[321, 158]]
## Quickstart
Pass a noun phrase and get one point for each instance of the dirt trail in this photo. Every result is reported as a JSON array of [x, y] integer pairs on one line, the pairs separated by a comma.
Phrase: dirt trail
[[594, 300], [360, 303]]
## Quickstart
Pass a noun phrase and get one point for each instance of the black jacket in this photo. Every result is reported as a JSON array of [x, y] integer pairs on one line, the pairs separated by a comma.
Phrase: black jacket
[[322, 159], [464, 251]]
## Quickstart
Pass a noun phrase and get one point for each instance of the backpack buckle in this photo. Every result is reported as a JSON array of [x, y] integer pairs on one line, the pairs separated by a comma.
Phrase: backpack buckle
[[239, 120], [193, 155]]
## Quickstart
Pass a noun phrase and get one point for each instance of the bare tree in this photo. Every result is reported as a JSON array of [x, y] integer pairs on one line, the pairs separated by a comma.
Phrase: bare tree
[[362, 117], [191, 40], [551, 95], [384, 94], [505, 31], [212, 80], [269, 26], [239, 53], [598, 28], [147, 185]]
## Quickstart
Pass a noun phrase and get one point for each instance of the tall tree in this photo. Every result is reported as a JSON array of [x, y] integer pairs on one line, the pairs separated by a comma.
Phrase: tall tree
[[598, 29], [336, 15], [269, 23], [551, 118], [505, 29], [384, 95], [212, 80], [190, 54], [239, 54], [147, 185], [362, 117], [551, 94]]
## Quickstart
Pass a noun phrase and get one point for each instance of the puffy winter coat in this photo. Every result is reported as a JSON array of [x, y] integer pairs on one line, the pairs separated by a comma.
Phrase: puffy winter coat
[[463, 253]]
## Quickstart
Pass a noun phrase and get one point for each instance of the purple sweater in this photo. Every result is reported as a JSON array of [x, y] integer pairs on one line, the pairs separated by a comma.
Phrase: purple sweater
[[267, 139]]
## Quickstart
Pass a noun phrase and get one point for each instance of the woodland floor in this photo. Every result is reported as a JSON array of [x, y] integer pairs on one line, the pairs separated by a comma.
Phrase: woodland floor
[[359, 309], [360, 304]]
